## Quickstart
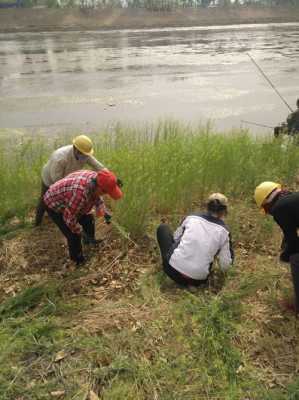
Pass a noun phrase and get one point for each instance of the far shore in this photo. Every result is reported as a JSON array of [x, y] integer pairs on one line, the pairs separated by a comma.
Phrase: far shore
[[46, 20]]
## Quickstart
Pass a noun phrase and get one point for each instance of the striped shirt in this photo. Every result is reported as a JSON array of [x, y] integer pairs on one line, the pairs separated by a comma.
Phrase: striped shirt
[[74, 196]]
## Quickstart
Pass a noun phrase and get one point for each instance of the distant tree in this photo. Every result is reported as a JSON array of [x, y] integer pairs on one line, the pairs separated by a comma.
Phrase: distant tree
[[287, 2], [276, 2], [206, 3]]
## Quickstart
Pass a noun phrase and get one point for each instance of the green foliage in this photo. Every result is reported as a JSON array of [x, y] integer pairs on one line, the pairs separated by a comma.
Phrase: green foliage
[[52, 4], [184, 343], [21, 161], [167, 168], [44, 297], [210, 322], [173, 344], [21, 303], [28, 3]]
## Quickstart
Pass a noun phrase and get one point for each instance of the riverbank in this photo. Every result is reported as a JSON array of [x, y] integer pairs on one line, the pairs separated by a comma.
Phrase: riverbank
[[118, 328], [36, 20]]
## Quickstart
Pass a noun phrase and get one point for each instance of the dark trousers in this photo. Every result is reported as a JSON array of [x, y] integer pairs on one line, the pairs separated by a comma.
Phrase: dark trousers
[[74, 239], [294, 262], [41, 208], [167, 245]]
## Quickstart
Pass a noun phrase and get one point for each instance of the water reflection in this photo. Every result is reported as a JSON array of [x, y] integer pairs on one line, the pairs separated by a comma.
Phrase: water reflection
[[189, 73]]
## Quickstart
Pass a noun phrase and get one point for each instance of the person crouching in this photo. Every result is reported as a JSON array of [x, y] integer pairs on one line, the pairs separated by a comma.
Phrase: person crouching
[[188, 254], [70, 200]]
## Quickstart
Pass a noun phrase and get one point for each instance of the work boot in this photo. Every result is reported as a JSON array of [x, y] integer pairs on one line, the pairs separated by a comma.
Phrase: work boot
[[294, 262], [80, 260]]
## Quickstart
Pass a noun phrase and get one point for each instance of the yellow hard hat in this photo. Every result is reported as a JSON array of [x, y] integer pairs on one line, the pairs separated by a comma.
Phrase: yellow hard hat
[[263, 190], [83, 144]]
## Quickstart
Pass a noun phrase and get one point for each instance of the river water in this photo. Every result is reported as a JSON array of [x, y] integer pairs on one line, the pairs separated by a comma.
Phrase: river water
[[82, 81]]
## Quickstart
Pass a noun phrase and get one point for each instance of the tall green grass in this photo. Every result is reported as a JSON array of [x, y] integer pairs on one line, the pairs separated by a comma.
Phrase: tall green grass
[[166, 168]]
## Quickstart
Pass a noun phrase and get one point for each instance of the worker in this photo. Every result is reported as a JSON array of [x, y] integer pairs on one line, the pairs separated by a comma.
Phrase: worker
[[188, 254], [62, 162], [293, 121], [283, 206], [291, 126], [70, 200]]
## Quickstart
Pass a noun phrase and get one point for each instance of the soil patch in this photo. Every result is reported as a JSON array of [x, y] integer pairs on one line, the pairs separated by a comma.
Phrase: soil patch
[[41, 254]]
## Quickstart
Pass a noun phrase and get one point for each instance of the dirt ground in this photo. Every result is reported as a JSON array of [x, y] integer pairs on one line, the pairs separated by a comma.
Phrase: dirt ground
[[18, 20], [111, 268]]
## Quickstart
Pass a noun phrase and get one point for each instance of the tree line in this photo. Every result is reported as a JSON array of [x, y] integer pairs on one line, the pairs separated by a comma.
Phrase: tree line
[[159, 5], [172, 4]]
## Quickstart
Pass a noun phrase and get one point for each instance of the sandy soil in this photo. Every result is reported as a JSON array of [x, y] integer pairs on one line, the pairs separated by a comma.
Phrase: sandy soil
[[18, 20]]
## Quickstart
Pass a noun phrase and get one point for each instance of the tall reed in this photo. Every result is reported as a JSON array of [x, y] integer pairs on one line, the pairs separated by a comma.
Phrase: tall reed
[[166, 168]]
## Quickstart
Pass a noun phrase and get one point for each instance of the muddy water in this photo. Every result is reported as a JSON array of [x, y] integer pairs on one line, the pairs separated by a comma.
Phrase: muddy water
[[84, 80]]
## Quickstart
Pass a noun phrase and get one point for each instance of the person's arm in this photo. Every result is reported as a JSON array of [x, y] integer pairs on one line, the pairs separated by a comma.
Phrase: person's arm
[[226, 254], [95, 164], [100, 207], [71, 212], [289, 229], [179, 232]]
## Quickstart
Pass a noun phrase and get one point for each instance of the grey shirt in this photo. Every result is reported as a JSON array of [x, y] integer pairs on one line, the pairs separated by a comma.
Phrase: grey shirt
[[62, 162]]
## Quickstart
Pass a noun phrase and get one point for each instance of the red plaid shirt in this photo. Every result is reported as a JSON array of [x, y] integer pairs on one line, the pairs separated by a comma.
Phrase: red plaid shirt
[[73, 196]]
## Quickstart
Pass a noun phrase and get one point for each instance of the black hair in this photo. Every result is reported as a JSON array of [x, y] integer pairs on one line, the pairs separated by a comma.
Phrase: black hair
[[215, 206], [297, 102]]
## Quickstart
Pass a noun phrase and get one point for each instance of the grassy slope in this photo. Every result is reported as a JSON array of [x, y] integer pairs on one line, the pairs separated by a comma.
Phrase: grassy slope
[[118, 328]]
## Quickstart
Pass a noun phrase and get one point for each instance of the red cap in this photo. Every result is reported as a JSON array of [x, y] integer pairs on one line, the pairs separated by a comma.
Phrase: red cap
[[107, 182]]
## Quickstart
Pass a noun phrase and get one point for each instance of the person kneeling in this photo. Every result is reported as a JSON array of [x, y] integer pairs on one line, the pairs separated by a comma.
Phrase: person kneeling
[[70, 200], [188, 254]]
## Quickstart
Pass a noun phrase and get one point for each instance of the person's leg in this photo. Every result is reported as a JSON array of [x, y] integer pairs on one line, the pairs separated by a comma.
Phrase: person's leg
[[41, 208], [179, 278], [294, 262], [174, 274], [165, 240], [73, 239], [88, 224]]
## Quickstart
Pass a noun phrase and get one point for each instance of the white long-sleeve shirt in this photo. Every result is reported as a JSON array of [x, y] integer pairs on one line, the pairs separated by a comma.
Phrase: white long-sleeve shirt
[[198, 240], [62, 162]]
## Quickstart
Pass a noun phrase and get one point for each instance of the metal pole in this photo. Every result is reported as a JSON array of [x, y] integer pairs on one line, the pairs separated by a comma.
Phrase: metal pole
[[254, 123], [268, 80]]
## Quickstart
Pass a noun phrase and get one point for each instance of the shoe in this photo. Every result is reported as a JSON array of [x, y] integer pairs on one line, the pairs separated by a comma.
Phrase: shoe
[[80, 260]]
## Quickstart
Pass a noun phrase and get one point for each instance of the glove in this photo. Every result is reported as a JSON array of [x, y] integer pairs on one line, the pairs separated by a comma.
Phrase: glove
[[119, 182], [107, 218]]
